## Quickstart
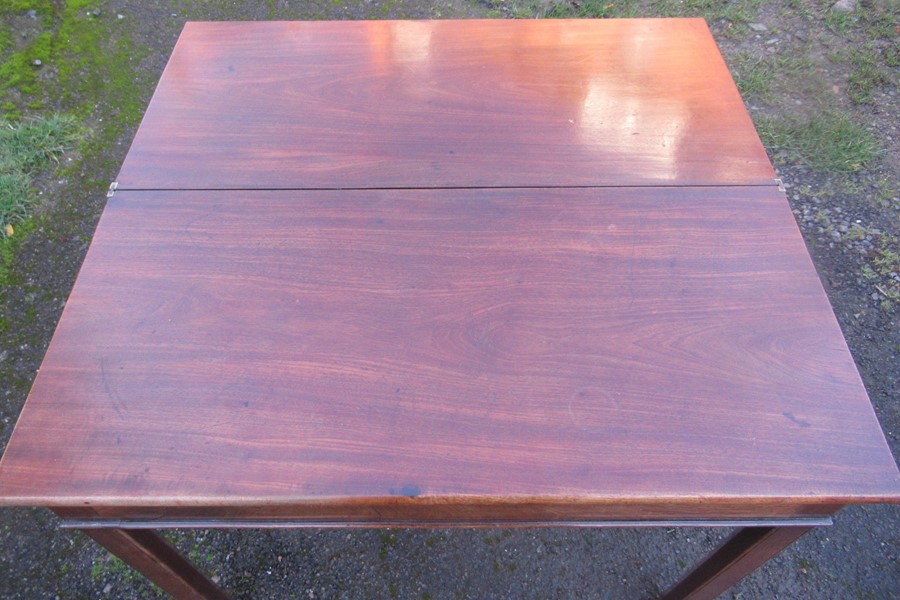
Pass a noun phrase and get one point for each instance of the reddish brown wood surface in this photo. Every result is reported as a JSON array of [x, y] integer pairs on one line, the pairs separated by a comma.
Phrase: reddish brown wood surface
[[459, 353], [445, 104]]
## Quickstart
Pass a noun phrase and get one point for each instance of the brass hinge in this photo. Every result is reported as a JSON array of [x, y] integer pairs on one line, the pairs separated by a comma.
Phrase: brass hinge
[[112, 189]]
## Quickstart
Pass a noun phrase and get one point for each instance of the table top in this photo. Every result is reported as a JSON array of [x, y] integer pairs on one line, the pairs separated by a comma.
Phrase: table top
[[422, 355], [445, 104]]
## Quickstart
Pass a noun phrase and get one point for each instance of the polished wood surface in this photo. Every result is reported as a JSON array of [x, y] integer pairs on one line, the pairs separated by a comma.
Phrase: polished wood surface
[[447, 274], [449, 354], [445, 104]]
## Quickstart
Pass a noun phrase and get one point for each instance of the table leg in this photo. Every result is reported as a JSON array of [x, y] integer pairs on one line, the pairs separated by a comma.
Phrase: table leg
[[157, 560], [736, 558]]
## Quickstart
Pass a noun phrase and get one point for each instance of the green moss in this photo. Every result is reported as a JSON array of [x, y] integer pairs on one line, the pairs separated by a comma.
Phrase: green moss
[[272, 5], [92, 65], [20, 6], [40, 49], [81, 4], [20, 69], [108, 566], [94, 68], [388, 541], [16, 71], [6, 40]]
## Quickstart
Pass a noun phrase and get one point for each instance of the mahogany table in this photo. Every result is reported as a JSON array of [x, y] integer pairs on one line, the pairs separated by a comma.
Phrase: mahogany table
[[461, 273]]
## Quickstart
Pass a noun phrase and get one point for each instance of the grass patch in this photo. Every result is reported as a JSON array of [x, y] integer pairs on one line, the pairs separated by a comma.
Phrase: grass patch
[[888, 194], [884, 271], [877, 19], [826, 142], [712, 10], [752, 74], [868, 74], [758, 76], [887, 256], [591, 9], [882, 22], [25, 150], [841, 22]]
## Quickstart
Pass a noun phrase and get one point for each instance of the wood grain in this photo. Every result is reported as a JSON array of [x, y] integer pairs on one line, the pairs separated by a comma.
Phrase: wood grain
[[459, 354], [445, 104], [567, 347]]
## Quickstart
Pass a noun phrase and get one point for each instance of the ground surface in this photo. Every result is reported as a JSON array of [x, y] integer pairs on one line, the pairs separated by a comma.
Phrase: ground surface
[[803, 67]]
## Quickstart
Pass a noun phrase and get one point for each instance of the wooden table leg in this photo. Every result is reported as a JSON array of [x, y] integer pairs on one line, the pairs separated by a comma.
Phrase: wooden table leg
[[736, 558], [157, 560]]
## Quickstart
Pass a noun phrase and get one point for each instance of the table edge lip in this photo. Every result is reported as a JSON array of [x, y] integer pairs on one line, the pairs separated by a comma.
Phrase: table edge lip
[[460, 20], [215, 523], [443, 500], [766, 183]]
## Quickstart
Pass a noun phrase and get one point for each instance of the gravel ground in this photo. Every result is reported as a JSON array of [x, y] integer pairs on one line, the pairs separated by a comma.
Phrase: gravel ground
[[849, 222]]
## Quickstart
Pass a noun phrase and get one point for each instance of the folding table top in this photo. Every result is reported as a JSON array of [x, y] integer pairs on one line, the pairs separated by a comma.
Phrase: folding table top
[[445, 104], [503, 303]]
